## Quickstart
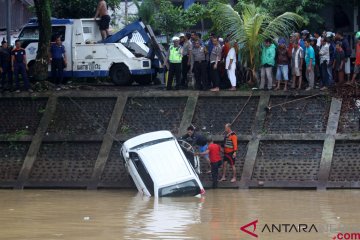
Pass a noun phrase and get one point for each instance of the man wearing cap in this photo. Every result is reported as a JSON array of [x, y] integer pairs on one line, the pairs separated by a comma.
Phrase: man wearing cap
[[200, 66], [5, 66], [186, 58], [173, 63], [357, 59]]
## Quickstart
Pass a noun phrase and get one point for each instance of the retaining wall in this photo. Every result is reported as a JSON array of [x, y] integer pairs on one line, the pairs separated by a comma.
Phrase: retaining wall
[[72, 139]]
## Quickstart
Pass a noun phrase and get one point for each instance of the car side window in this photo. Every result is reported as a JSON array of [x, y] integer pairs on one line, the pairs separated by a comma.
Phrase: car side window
[[144, 174]]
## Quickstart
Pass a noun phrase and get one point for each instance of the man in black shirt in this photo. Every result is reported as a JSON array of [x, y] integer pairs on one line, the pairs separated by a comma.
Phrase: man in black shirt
[[5, 66], [19, 66]]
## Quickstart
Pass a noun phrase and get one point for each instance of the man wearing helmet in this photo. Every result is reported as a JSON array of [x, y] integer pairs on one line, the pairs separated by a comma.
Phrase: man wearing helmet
[[173, 63], [357, 60]]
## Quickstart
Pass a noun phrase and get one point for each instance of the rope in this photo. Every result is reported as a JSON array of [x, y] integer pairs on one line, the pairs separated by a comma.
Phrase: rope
[[242, 109]]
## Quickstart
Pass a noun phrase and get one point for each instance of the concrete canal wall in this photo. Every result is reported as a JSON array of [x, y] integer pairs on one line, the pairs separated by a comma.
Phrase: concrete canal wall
[[66, 139]]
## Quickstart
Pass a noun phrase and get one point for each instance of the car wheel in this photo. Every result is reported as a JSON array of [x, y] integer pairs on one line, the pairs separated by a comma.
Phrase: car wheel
[[120, 75]]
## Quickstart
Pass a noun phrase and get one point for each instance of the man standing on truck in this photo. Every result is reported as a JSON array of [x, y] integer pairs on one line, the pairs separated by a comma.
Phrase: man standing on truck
[[19, 66], [104, 23], [58, 62], [230, 151]]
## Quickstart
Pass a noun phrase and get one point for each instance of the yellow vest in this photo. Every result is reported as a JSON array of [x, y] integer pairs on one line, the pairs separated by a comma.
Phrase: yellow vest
[[175, 54]]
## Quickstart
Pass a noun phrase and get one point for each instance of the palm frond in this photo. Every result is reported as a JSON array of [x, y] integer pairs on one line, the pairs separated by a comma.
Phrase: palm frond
[[282, 25]]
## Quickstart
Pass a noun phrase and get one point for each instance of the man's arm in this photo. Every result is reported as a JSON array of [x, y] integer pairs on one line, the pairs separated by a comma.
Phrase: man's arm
[[98, 10], [234, 140], [24, 61]]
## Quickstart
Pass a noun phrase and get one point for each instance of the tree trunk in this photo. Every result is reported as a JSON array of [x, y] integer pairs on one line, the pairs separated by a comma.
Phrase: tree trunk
[[43, 13]]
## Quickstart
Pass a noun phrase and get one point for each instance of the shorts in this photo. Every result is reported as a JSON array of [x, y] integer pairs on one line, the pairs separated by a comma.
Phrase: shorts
[[104, 22], [203, 149], [347, 66], [228, 157], [296, 72], [282, 72], [357, 69]]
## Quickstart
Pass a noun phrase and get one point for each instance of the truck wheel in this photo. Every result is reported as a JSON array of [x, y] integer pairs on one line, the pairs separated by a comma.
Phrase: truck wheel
[[120, 75]]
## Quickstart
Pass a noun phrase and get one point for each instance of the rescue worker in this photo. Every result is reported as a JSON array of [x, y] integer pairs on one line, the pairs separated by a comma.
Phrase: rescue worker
[[173, 63], [200, 66], [58, 62], [5, 66], [19, 66], [230, 151]]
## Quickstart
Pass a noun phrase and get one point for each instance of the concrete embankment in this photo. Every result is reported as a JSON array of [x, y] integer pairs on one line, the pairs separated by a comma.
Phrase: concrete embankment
[[72, 138]]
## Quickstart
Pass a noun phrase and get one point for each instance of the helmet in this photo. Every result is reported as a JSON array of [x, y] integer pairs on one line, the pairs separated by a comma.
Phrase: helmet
[[304, 32], [357, 35], [175, 39], [181, 35]]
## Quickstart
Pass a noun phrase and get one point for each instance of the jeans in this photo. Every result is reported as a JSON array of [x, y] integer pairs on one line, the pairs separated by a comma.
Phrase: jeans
[[266, 72], [324, 74], [6, 75], [20, 68], [200, 72], [282, 70], [215, 173], [57, 70], [310, 76], [184, 69], [330, 74], [174, 70], [214, 75]]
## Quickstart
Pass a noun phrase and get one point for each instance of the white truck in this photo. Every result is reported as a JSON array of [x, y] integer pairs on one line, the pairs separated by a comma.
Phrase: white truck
[[90, 56]]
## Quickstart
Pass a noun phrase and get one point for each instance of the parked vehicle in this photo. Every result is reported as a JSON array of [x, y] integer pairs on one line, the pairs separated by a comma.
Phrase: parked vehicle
[[159, 167], [90, 56]]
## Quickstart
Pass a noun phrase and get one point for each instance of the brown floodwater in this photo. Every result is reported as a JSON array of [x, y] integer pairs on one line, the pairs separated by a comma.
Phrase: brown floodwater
[[124, 214]]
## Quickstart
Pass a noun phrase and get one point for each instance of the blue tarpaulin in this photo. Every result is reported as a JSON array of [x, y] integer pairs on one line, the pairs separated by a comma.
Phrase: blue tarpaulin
[[188, 3]]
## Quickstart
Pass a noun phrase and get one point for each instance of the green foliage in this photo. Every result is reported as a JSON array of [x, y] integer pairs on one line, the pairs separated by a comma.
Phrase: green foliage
[[252, 26], [78, 8]]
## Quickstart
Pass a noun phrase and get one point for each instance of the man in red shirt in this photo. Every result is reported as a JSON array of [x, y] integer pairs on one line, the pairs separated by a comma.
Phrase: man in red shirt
[[357, 60], [214, 151]]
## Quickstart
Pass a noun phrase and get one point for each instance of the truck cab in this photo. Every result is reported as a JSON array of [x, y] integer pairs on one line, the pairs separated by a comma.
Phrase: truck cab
[[90, 56]]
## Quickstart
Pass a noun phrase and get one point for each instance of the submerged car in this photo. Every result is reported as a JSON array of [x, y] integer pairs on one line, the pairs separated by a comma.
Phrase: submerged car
[[159, 167]]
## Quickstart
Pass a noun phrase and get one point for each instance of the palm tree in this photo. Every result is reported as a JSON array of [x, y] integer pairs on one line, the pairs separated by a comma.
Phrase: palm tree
[[250, 26]]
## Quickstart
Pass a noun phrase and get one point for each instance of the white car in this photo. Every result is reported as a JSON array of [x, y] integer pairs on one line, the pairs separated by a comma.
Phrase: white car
[[159, 167]]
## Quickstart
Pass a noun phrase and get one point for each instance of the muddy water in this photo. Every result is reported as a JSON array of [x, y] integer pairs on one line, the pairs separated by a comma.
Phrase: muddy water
[[123, 214]]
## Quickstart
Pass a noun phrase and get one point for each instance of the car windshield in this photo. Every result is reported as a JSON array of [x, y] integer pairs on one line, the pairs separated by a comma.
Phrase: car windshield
[[189, 188], [147, 144], [29, 33]]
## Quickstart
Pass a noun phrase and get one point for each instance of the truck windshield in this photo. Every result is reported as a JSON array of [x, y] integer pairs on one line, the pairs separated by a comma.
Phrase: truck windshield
[[32, 33], [189, 188]]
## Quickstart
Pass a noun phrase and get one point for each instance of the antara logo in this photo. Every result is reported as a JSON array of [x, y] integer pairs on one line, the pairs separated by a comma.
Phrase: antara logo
[[250, 228]]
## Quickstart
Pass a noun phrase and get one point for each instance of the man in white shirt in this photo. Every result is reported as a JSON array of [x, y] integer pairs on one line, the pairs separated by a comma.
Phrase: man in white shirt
[[230, 65], [318, 38], [297, 60], [324, 62]]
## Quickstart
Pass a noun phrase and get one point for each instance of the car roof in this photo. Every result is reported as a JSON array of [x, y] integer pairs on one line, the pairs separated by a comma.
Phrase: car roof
[[147, 137], [165, 162]]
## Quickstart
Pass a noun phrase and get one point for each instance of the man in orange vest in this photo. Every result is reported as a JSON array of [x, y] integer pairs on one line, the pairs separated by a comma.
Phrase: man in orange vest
[[230, 151]]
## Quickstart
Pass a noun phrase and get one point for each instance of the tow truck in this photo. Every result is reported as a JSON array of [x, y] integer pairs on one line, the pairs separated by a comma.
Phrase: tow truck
[[90, 56]]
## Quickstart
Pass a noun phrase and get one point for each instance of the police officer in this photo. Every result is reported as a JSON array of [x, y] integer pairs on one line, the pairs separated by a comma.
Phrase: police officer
[[173, 63], [200, 66], [5, 66], [19, 66], [186, 58], [58, 62]]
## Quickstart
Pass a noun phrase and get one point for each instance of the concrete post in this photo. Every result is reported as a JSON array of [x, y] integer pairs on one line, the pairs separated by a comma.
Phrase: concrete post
[[36, 142], [253, 144], [329, 143], [107, 142], [188, 113]]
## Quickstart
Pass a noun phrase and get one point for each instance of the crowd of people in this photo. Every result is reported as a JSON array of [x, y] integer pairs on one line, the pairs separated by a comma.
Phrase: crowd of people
[[215, 155], [302, 61]]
